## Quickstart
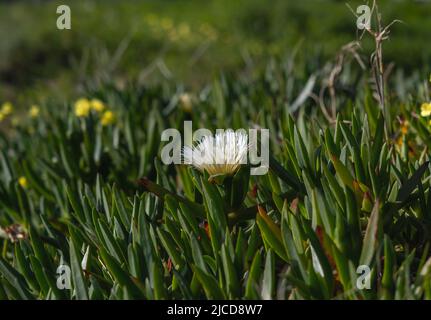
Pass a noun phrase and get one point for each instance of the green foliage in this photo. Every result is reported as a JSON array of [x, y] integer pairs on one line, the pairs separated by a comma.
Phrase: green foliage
[[338, 195], [190, 41]]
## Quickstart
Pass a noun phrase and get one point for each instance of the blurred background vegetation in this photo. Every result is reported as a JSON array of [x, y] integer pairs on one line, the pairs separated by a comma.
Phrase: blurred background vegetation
[[186, 42], [69, 166]]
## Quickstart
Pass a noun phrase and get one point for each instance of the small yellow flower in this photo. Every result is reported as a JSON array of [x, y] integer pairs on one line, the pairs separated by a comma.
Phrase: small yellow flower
[[405, 127], [97, 105], [184, 30], [167, 23], [400, 141], [108, 118], [82, 107], [6, 108], [173, 35], [34, 111], [23, 182], [152, 19], [426, 109], [208, 31], [15, 121]]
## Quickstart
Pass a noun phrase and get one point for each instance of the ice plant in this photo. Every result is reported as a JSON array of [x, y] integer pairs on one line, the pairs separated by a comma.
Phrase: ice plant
[[82, 107], [426, 109], [15, 121], [108, 118], [223, 153]]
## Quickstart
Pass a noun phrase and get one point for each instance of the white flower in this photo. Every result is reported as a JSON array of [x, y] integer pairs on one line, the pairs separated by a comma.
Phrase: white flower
[[222, 154]]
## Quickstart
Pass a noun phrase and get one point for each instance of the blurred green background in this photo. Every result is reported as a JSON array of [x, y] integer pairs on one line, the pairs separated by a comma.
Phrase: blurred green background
[[185, 42]]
